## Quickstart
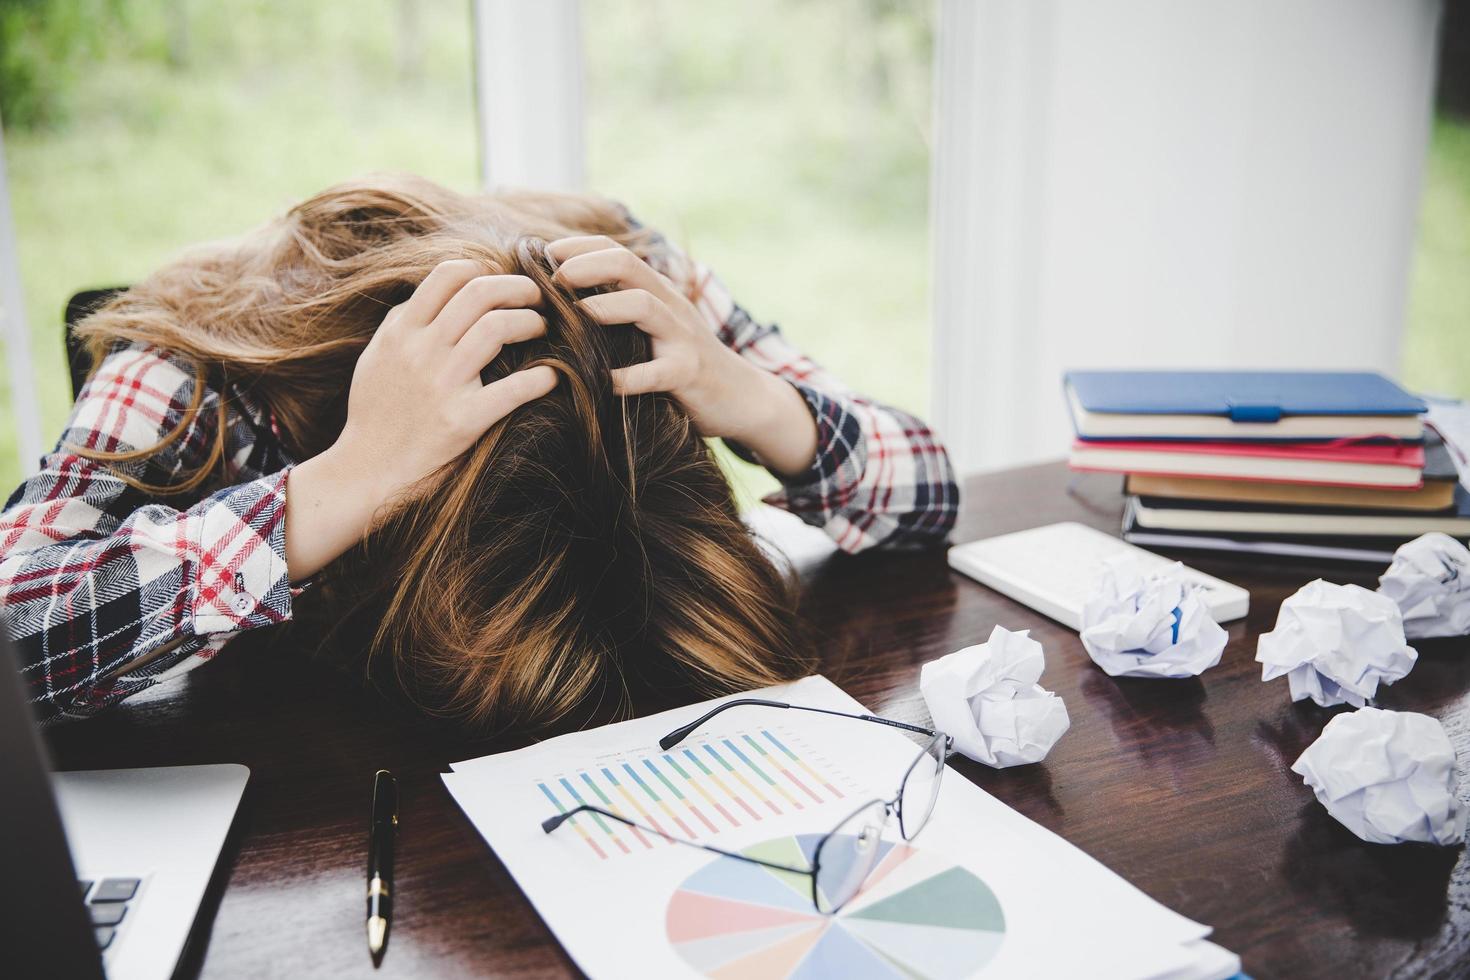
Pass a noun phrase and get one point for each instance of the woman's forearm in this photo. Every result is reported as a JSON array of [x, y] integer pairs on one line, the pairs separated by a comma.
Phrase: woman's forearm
[[781, 432], [330, 504]]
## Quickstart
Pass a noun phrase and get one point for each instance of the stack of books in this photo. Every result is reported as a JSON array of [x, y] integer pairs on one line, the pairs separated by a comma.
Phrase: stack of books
[[1315, 465]]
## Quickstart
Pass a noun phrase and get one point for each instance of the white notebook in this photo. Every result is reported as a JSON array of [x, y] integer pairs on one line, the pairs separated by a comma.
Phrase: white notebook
[[1054, 570]]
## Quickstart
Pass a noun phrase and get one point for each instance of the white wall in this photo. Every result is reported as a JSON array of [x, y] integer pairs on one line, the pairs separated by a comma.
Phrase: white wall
[[1163, 183]]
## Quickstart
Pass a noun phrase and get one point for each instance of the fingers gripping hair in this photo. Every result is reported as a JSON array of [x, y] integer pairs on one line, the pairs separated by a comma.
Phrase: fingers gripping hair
[[588, 537]]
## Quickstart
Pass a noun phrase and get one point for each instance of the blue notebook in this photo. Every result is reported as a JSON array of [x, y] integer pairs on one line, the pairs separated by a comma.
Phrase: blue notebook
[[1240, 405]]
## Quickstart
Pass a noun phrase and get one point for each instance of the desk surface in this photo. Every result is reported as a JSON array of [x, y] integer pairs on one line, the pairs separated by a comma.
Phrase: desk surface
[[1182, 787]]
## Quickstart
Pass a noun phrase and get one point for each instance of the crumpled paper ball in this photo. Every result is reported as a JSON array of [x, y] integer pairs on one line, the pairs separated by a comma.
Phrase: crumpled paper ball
[[1336, 644], [1150, 625], [986, 697], [1388, 776], [1430, 581]]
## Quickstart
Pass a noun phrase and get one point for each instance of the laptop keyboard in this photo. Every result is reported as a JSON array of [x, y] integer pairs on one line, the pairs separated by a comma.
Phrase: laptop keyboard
[[107, 903]]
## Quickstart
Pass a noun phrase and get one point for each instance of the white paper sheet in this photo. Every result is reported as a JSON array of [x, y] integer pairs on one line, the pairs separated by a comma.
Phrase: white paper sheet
[[1429, 580], [1336, 644], [613, 905], [987, 697], [1211, 963], [1388, 776], [1451, 419]]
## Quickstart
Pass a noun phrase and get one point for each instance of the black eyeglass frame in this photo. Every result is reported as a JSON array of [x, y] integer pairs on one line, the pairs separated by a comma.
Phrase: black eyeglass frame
[[890, 807]]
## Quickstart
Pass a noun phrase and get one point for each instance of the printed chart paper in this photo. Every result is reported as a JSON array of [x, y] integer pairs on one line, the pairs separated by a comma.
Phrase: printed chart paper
[[919, 912], [699, 790], [981, 892]]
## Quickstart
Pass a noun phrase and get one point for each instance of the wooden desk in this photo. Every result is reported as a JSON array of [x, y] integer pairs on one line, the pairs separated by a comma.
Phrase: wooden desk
[[1180, 786]]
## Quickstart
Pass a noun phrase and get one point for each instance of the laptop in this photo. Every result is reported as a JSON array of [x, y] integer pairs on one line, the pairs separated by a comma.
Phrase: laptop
[[106, 869]]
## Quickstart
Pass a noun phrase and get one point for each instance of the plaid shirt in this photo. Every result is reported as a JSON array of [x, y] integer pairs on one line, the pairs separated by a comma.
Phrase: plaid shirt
[[108, 591]]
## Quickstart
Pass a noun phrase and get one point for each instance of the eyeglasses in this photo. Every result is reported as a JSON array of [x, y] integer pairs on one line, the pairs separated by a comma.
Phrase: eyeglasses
[[845, 855]]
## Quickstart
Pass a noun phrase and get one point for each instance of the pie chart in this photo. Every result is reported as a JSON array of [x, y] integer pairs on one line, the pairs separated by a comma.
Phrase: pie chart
[[917, 916]]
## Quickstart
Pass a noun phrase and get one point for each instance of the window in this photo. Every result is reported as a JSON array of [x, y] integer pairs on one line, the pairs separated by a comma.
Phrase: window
[[1437, 337], [786, 145], [148, 126]]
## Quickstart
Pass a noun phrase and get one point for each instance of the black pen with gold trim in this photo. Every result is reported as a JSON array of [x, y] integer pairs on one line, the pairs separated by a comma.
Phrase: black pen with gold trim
[[380, 862]]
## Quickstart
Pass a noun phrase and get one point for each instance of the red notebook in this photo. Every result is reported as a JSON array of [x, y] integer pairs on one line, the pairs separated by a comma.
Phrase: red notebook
[[1348, 464]]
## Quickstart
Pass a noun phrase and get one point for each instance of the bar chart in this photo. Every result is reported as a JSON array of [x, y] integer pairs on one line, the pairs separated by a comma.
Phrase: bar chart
[[696, 790]]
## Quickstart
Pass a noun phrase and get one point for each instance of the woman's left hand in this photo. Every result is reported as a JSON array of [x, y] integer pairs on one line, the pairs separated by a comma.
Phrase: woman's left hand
[[726, 395]]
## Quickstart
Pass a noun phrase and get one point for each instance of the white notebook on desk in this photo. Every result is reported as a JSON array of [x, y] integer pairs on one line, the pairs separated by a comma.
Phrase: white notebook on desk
[[1054, 570]]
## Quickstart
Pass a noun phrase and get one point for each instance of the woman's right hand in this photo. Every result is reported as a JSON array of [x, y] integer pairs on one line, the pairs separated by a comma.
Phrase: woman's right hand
[[416, 402]]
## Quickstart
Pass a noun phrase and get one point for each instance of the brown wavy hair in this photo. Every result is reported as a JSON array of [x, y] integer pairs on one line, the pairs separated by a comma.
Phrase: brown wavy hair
[[586, 538]]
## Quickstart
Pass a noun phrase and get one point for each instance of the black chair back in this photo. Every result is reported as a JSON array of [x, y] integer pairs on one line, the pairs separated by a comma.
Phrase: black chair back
[[77, 309]]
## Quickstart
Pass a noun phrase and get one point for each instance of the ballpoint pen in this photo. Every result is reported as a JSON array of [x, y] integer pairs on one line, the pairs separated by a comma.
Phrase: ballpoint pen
[[380, 861]]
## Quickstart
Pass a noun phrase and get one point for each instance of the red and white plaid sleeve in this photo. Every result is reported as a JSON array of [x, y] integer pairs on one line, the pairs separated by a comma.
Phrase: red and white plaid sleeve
[[106, 590], [881, 476]]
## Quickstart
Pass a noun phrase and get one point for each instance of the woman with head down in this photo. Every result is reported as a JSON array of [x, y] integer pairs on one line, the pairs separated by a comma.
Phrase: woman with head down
[[472, 426]]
